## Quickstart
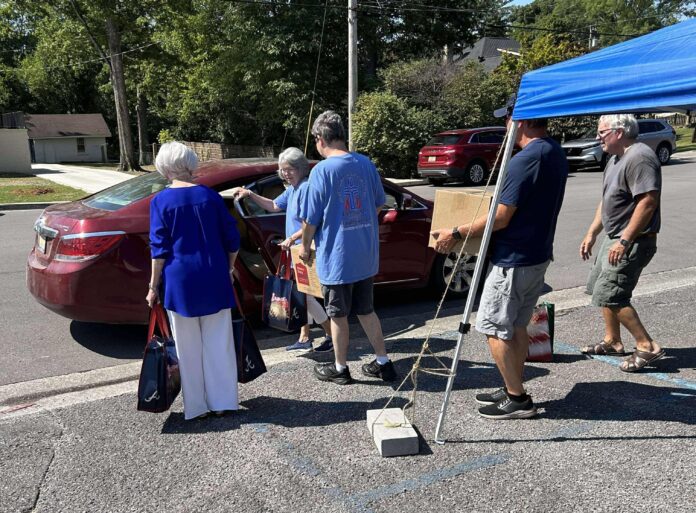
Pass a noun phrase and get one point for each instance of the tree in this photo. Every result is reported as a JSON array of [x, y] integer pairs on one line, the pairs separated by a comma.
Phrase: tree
[[101, 25], [613, 21], [391, 132]]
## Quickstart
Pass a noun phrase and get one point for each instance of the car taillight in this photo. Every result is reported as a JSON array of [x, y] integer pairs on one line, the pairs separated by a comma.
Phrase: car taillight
[[86, 246]]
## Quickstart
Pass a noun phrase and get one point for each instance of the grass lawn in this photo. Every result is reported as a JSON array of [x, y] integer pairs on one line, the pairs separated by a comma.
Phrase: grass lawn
[[18, 188], [684, 139]]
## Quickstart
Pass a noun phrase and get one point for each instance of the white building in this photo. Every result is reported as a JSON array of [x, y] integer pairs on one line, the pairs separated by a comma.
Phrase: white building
[[56, 138], [14, 144]]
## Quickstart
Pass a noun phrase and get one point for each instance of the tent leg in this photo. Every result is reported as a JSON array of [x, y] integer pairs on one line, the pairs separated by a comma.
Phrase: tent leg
[[478, 271]]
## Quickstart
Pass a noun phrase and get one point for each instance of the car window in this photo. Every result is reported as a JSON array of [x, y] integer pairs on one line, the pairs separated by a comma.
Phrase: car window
[[647, 127], [125, 193], [444, 140], [270, 188], [390, 200], [491, 137]]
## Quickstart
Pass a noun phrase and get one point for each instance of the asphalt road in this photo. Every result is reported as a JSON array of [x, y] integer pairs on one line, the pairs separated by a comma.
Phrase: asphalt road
[[605, 441]]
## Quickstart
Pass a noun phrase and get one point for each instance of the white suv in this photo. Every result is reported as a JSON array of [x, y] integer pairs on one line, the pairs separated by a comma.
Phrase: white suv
[[586, 152]]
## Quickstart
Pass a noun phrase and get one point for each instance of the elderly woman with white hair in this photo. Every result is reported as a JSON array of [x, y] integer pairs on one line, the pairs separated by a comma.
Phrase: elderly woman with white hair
[[193, 245], [293, 168]]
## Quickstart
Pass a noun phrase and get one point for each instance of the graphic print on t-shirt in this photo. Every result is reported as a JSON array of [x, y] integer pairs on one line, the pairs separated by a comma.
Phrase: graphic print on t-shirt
[[353, 189]]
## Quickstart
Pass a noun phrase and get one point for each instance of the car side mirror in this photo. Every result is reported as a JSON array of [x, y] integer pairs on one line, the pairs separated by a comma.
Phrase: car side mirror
[[406, 202]]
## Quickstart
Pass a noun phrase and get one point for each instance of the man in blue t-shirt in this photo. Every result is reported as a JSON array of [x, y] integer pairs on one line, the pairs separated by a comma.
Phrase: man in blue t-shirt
[[521, 250], [339, 213]]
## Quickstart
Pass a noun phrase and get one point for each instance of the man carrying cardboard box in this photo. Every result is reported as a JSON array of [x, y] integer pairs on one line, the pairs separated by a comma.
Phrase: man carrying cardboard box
[[521, 250], [343, 200]]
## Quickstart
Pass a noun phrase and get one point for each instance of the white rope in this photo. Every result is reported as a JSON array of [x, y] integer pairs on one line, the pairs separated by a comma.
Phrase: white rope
[[444, 370]]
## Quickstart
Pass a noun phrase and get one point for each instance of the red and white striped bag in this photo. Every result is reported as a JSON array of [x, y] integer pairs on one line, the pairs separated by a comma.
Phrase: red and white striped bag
[[540, 331]]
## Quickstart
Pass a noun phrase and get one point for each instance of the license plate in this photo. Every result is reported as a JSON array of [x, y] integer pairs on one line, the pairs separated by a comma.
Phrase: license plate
[[431, 159], [41, 243]]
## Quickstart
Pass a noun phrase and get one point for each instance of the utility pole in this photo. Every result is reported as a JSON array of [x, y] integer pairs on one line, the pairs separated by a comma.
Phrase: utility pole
[[352, 66], [593, 38]]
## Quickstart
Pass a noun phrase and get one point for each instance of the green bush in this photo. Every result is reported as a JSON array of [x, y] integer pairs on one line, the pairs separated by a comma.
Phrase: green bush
[[391, 132]]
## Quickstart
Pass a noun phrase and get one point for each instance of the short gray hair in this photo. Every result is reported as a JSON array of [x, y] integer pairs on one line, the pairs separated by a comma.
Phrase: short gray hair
[[329, 126], [176, 161], [294, 158], [626, 122]]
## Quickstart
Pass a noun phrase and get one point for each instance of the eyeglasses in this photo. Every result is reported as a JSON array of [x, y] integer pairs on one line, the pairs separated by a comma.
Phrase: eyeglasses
[[603, 133]]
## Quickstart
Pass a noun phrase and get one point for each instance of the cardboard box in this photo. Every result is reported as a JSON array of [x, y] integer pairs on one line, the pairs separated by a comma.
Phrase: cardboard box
[[455, 208], [306, 273]]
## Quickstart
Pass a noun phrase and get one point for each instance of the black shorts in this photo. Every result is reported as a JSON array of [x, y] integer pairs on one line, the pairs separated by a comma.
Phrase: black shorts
[[340, 300]]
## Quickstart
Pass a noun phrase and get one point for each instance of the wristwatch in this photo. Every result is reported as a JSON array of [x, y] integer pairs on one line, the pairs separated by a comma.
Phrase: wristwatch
[[626, 244], [455, 233]]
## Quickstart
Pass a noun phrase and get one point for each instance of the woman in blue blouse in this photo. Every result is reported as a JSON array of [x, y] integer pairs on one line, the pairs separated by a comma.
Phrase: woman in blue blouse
[[193, 244], [293, 168]]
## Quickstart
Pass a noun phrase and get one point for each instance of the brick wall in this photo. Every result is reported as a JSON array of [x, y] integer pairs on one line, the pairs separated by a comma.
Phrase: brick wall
[[213, 151]]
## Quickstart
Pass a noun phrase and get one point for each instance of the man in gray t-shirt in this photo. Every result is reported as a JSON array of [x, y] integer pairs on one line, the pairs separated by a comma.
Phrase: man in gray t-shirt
[[629, 213], [636, 172]]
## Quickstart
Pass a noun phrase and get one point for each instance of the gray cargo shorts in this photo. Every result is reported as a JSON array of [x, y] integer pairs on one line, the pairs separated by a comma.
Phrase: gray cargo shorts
[[612, 285], [340, 300], [508, 300]]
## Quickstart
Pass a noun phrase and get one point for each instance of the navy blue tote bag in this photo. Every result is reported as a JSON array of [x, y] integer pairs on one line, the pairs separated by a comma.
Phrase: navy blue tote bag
[[284, 307], [160, 381], [250, 364]]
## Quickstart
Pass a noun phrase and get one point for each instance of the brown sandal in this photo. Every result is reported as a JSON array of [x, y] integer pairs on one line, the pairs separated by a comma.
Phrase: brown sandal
[[640, 359], [602, 349]]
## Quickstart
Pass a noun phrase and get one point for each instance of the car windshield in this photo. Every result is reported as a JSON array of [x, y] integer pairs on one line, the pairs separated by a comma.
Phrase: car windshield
[[444, 140], [125, 193]]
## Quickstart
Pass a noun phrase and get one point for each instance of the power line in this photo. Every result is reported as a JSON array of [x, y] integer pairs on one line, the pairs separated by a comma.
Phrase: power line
[[100, 59]]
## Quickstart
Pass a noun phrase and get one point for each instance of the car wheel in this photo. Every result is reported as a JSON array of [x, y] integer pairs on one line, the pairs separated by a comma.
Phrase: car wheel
[[443, 267], [437, 181], [477, 173], [663, 154]]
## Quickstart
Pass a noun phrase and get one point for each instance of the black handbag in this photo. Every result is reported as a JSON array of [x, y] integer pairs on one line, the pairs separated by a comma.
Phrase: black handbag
[[284, 307], [160, 381], [250, 364]]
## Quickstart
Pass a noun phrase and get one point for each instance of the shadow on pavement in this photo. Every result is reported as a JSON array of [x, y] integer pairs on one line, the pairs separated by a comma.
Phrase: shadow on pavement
[[125, 341], [624, 401], [677, 359], [264, 411], [568, 358], [44, 171]]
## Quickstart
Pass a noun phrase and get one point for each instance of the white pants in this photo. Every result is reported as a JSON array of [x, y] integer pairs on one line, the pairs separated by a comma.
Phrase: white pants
[[207, 362], [315, 312]]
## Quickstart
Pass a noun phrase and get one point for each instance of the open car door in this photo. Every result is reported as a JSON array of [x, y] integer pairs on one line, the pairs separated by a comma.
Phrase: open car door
[[262, 230]]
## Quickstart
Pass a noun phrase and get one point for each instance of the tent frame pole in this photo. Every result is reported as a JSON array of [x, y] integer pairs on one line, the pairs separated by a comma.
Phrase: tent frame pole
[[464, 325]]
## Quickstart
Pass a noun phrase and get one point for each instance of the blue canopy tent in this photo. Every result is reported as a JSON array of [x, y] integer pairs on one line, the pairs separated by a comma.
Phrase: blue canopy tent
[[651, 73]]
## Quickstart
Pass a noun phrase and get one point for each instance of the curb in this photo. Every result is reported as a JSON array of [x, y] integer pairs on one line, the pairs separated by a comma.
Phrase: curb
[[408, 182], [29, 206]]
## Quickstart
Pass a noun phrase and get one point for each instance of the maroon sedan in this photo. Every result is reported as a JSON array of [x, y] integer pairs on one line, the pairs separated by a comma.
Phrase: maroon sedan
[[463, 155], [91, 260]]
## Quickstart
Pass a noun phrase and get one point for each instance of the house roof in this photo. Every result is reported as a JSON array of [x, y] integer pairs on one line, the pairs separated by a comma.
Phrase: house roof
[[486, 51], [44, 126]]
